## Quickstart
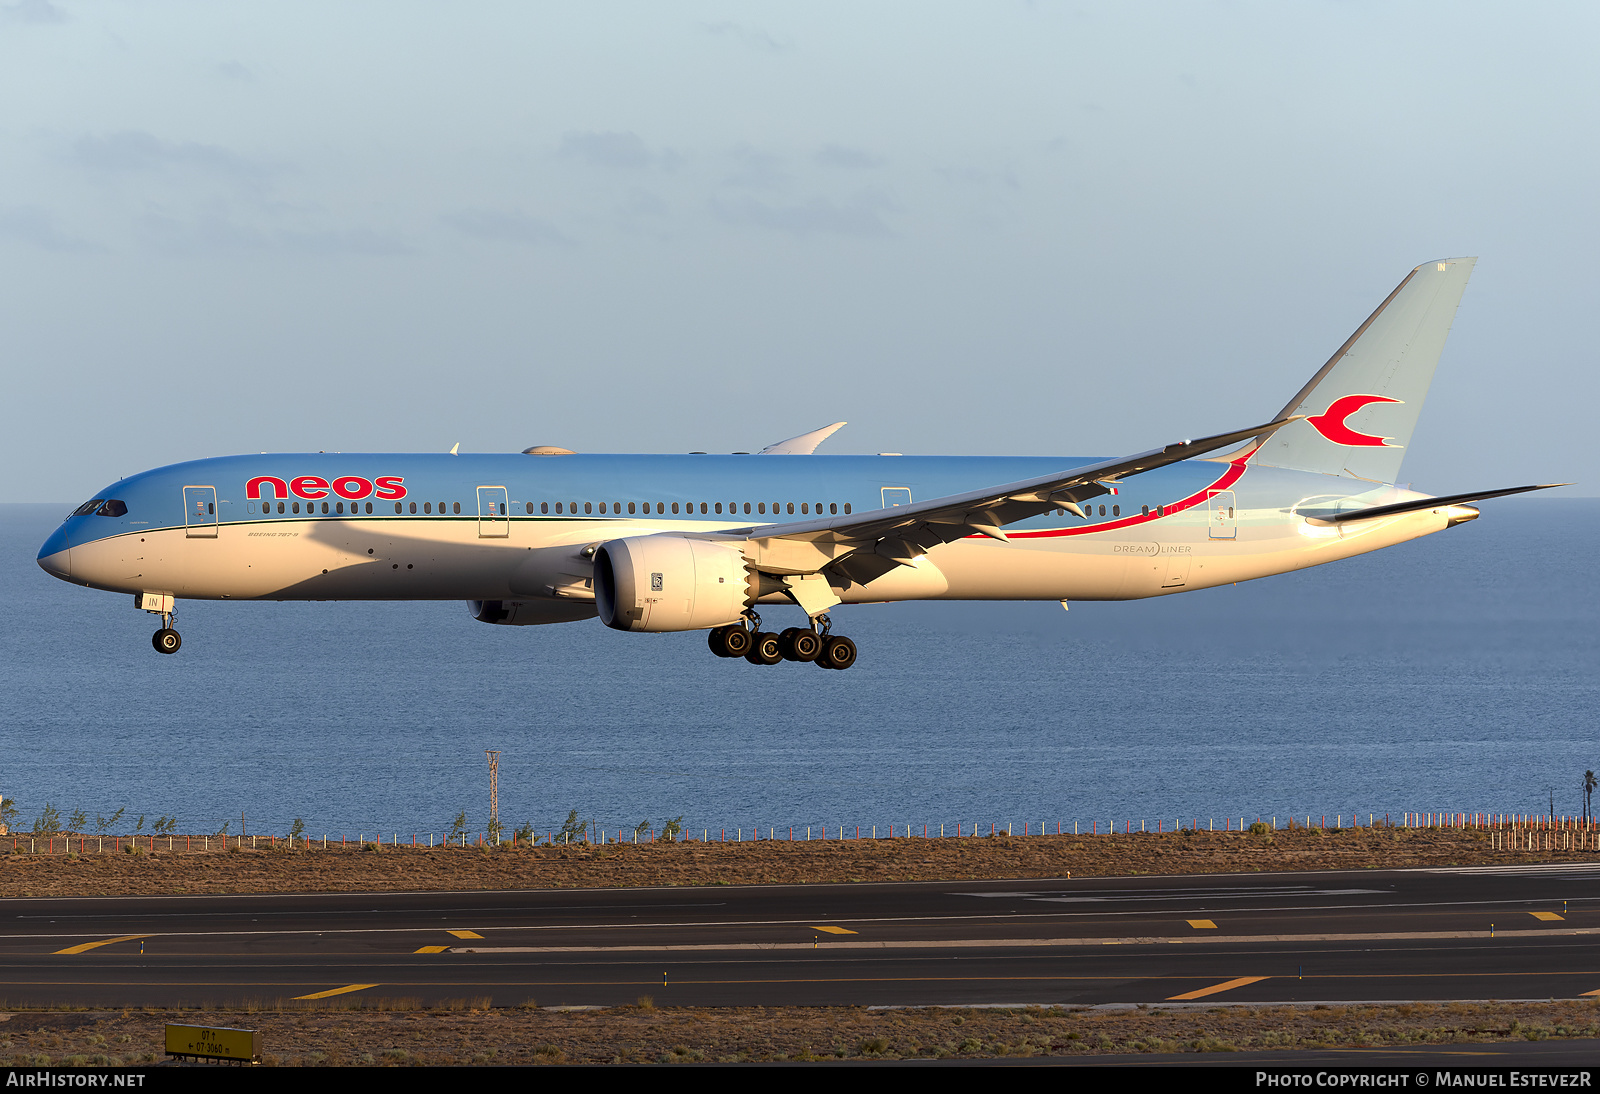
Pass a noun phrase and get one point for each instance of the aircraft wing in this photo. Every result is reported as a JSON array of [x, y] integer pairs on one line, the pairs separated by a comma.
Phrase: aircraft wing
[[803, 445], [866, 545]]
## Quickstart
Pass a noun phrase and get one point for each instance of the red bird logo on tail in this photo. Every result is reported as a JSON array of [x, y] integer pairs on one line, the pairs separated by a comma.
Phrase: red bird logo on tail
[[1330, 423]]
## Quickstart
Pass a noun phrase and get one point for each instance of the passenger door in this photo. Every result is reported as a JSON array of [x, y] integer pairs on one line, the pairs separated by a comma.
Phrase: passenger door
[[200, 512], [1222, 524], [494, 519]]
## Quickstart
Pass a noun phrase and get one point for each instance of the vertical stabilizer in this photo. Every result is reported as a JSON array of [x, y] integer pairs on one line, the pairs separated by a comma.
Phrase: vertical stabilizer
[[1361, 407]]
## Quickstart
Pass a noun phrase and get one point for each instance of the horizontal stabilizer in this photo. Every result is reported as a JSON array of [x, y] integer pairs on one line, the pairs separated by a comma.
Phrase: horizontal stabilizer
[[1430, 503]]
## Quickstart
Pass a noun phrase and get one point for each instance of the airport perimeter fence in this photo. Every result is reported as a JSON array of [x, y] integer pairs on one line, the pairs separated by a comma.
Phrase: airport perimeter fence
[[1509, 831]]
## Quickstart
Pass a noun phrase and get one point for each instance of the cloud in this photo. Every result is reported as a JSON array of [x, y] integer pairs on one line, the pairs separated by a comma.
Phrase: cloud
[[34, 226], [753, 37], [502, 227], [362, 242], [860, 217], [756, 170], [37, 12], [853, 159], [219, 235], [615, 151], [233, 70], [975, 176], [133, 151]]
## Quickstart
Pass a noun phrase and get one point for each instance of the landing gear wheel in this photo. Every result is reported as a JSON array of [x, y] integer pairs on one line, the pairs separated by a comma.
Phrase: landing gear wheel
[[166, 640], [731, 641], [838, 652], [800, 644], [764, 649]]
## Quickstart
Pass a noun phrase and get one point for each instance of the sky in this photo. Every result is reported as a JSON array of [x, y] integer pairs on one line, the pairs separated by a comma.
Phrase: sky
[[1002, 228]]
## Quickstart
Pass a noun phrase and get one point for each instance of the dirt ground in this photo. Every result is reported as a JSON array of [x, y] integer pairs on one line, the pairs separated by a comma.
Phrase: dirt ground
[[393, 1032], [764, 862]]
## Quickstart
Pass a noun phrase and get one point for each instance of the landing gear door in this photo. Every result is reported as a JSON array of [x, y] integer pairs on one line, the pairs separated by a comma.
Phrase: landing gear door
[[494, 518], [200, 512], [1222, 524]]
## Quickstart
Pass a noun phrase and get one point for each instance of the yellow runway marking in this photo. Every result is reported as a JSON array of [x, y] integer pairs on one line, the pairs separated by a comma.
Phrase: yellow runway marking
[[1202, 924], [1200, 993], [465, 934], [87, 946], [1546, 916], [433, 949], [336, 991], [833, 930]]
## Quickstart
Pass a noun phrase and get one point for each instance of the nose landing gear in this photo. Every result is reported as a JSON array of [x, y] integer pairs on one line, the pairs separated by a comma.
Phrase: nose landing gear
[[166, 640]]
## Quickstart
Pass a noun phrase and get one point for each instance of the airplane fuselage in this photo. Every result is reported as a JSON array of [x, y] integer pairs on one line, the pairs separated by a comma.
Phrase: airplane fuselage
[[515, 527]]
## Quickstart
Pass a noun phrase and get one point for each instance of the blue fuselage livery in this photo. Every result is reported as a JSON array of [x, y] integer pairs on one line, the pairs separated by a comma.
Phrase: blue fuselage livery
[[464, 524], [701, 542]]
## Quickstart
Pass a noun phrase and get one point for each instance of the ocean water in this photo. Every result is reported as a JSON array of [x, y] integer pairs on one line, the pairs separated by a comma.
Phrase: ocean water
[[1457, 672]]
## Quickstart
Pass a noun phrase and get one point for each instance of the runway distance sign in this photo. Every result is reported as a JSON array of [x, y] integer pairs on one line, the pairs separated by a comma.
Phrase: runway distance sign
[[242, 1046]]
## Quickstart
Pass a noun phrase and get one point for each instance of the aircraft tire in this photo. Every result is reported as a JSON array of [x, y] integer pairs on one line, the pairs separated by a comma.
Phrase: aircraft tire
[[838, 652], [764, 649], [800, 644], [731, 641], [166, 640]]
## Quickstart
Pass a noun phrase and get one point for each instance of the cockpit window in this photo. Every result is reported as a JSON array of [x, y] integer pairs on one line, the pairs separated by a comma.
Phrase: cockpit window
[[101, 507]]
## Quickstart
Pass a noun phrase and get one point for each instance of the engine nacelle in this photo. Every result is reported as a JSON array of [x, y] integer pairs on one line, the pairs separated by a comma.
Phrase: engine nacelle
[[669, 583]]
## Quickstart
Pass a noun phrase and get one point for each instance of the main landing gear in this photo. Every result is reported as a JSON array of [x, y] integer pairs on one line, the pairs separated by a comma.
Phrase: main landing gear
[[813, 644]]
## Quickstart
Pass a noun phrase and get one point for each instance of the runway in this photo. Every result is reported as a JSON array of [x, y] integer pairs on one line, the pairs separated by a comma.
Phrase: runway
[[1470, 933]]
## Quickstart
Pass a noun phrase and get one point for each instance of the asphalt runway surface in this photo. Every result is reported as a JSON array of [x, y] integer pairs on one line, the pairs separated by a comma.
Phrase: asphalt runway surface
[[1463, 933]]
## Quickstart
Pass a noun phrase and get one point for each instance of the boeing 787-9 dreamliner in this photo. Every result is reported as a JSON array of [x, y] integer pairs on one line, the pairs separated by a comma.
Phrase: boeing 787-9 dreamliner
[[705, 542]]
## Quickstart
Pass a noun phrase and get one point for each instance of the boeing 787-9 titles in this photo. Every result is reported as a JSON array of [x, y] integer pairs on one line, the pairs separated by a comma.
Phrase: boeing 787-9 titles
[[703, 542]]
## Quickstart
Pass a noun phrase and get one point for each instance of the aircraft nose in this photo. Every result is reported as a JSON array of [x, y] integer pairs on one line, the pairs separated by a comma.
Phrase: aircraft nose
[[55, 557]]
